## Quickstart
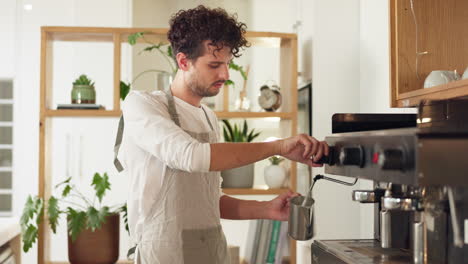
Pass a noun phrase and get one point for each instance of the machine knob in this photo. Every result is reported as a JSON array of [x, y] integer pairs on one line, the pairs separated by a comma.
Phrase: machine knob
[[352, 156], [391, 159]]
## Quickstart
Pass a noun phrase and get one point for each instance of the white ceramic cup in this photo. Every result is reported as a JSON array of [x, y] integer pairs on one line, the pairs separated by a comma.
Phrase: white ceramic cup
[[440, 77], [465, 74]]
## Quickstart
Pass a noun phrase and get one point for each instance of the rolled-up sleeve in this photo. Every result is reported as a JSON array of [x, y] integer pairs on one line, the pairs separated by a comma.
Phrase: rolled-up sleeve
[[149, 126]]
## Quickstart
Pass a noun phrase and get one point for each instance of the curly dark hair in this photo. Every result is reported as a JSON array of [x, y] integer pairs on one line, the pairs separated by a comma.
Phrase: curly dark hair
[[189, 28]]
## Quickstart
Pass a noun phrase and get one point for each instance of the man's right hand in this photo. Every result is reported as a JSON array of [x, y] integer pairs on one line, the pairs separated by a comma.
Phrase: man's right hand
[[304, 148]]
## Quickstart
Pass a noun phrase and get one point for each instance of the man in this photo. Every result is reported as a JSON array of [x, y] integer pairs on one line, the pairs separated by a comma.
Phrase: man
[[170, 150]]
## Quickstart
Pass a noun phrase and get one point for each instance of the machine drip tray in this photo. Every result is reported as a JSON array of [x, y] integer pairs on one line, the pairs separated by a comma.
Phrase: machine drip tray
[[357, 251]]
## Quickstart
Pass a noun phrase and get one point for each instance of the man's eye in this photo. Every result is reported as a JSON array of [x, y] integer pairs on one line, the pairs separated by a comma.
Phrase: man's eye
[[214, 66]]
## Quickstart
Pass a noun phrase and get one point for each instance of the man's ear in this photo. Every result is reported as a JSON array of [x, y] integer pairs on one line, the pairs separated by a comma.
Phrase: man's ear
[[182, 61]]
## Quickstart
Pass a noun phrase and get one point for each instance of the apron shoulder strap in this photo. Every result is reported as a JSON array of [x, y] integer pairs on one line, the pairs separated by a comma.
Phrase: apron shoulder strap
[[118, 142], [171, 107]]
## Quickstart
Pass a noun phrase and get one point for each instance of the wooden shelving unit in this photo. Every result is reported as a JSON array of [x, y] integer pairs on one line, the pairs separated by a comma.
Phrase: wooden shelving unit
[[287, 114], [441, 45], [253, 191], [441, 92], [82, 113]]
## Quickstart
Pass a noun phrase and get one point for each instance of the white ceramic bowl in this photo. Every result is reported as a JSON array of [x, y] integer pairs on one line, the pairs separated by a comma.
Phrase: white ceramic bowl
[[440, 77], [465, 74]]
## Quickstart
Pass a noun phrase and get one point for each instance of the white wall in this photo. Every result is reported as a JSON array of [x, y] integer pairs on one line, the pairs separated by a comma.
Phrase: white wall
[[8, 72], [374, 78], [7, 38], [335, 90], [109, 13]]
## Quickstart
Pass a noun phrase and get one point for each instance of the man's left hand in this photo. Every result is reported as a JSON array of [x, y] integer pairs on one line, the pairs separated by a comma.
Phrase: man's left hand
[[278, 208]]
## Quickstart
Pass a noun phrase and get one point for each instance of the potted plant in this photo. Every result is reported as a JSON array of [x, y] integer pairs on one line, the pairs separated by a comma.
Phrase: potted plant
[[241, 177], [93, 228], [164, 77], [83, 91], [274, 174]]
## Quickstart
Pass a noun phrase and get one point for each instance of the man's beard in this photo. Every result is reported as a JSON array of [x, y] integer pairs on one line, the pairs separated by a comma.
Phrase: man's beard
[[202, 91]]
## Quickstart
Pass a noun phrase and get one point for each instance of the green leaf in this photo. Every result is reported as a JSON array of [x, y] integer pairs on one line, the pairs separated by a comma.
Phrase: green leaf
[[124, 210], [227, 138], [101, 184], [254, 136], [250, 135], [83, 80], [33, 207], [229, 82], [229, 128], [29, 237], [67, 181], [76, 222], [240, 69], [96, 218], [93, 218], [103, 213], [275, 160], [124, 89], [169, 51], [132, 39], [236, 133], [244, 130], [39, 208], [66, 190], [152, 47], [53, 213], [28, 212]]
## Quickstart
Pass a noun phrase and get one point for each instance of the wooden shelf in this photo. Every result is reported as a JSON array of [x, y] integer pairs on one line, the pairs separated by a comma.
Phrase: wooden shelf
[[115, 113], [253, 191], [282, 115], [441, 92], [66, 262], [82, 113], [93, 34]]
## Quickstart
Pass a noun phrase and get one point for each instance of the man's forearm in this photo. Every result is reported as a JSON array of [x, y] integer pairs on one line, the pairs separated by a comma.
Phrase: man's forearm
[[237, 209], [232, 155]]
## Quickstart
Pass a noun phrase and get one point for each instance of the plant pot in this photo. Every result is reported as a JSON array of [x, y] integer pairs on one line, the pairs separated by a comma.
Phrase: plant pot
[[275, 176], [241, 177], [98, 247], [83, 94]]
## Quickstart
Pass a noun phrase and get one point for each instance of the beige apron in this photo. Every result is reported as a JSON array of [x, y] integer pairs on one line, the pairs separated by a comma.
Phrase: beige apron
[[184, 223]]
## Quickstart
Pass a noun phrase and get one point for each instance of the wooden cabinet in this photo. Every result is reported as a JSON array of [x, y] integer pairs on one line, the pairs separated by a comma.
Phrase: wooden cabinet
[[117, 37], [427, 35]]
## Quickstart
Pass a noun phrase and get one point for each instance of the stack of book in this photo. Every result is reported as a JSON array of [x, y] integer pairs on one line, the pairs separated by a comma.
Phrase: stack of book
[[267, 242]]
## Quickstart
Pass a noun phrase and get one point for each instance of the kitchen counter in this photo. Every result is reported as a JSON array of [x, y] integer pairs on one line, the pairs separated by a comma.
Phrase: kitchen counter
[[357, 251], [10, 233]]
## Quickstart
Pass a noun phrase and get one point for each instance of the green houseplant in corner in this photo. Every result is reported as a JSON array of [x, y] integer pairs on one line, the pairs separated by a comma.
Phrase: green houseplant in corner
[[241, 177], [83, 91], [93, 228]]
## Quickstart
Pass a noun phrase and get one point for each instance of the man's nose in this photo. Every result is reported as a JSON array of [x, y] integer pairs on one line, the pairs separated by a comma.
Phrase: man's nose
[[224, 72]]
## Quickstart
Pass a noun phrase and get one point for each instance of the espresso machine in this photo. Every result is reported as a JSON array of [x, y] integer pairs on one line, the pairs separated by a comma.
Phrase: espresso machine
[[419, 166]]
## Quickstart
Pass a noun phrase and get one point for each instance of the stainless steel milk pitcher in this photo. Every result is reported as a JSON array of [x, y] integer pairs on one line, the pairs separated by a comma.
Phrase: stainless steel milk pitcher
[[301, 212], [301, 218]]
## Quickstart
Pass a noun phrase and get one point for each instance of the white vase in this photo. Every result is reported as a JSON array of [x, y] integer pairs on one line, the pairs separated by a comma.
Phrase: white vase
[[275, 176]]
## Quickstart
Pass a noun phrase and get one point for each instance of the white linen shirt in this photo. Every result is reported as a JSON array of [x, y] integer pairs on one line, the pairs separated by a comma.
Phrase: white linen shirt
[[151, 141]]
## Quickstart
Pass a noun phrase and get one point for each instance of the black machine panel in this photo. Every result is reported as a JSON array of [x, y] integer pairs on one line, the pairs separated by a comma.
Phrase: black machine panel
[[386, 156]]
